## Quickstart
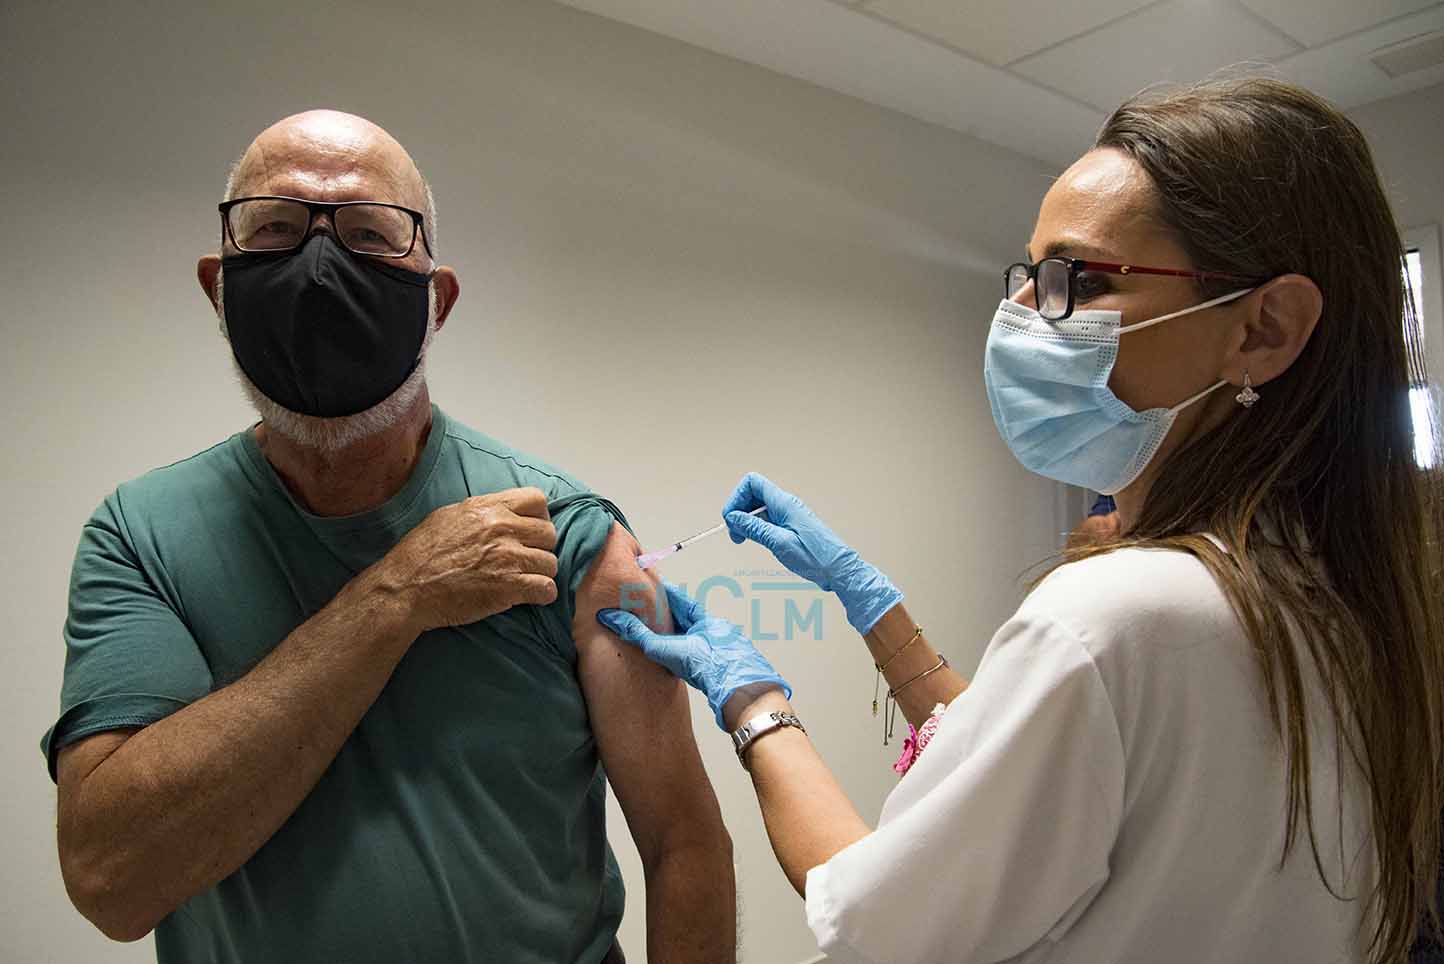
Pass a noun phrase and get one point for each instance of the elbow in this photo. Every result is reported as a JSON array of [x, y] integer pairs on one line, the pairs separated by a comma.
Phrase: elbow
[[124, 932], [712, 829], [719, 844], [124, 928], [105, 900], [709, 846], [711, 837]]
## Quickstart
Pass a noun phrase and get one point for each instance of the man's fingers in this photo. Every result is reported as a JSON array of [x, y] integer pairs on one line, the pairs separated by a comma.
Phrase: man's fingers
[[499, 522], [534, 589], [527, 501], [537, 533], [538, 561]]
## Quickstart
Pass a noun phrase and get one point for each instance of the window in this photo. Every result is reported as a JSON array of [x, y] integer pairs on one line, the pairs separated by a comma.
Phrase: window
[[1421, 266], [1426, 445]]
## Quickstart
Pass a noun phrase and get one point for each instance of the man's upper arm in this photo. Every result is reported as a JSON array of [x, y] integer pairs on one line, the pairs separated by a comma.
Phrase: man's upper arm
[[639, 710], [130, 658]]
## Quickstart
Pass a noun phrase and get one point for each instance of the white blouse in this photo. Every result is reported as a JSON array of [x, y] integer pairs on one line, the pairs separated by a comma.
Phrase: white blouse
[[1109, 788]]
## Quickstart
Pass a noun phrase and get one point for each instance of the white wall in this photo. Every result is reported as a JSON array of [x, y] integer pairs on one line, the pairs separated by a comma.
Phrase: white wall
[[1407, 137], [675, 268], [1406, 134]]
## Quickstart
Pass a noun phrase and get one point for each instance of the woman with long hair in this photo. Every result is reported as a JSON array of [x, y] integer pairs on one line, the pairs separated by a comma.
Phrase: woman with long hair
[[1217, 735]]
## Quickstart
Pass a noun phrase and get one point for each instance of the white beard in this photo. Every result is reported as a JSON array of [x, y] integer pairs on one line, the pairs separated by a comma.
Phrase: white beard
[[331, 435]]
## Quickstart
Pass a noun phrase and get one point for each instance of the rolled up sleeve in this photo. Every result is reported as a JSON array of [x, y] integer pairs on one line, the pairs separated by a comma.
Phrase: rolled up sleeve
[[130, 660]]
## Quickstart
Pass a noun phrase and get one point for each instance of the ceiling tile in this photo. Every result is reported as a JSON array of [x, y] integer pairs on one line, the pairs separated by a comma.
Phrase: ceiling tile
[[1315, 22], [832, 45], [1416, 53], [1179, 40], [1000, 33], [1343, 72]]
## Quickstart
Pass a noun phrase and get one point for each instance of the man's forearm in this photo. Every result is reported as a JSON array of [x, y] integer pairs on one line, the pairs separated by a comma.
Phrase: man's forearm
[[186, 801], [692, 904]]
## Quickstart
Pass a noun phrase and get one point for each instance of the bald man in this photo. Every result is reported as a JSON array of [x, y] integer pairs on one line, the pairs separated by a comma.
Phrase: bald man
[[334, 689]]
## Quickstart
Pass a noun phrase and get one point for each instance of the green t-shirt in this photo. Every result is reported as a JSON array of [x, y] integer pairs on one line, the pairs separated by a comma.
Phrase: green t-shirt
[[463, 819]]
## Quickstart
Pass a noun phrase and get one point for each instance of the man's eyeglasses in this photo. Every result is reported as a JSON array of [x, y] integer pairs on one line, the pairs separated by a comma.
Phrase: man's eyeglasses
[[272, 224], [1056, 280]]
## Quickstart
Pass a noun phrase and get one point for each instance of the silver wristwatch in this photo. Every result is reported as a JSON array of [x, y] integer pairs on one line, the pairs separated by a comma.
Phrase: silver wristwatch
[[743, 736]]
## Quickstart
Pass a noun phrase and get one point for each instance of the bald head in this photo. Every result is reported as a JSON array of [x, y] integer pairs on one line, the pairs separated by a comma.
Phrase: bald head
[[329, 155]]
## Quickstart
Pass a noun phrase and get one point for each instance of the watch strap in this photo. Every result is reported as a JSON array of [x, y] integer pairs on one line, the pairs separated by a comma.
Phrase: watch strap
[[745, 735]]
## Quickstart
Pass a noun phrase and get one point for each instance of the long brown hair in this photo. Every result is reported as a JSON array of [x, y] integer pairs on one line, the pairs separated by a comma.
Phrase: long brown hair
[[1332, 529]]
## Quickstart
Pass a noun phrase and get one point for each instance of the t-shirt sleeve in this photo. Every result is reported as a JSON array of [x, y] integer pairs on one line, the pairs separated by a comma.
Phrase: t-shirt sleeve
[[583, 521], [1000, 834], [129, 658]]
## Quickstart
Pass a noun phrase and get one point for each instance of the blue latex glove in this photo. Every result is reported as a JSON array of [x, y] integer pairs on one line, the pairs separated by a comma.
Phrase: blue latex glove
[[710, 654], [810, 549]]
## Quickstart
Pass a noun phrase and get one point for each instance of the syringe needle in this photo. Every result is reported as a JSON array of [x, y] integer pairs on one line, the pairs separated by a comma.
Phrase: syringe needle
[[649, 559]]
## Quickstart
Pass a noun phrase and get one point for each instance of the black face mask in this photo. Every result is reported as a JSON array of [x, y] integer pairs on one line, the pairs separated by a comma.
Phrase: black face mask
[[321, 331]]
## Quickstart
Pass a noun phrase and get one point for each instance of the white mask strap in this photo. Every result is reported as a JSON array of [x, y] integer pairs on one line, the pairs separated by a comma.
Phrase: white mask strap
[[1186, 311], [1189, 401]]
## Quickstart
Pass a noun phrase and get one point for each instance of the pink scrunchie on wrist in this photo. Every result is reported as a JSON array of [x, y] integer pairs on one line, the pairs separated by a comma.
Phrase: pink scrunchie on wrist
[[917, 740]]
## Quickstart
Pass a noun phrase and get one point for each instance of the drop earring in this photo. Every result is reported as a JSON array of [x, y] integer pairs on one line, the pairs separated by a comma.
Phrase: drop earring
[[1248, 396]]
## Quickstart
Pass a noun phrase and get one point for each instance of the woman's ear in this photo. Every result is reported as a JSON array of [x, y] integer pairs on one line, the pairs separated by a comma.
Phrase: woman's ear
[[1282, 316]]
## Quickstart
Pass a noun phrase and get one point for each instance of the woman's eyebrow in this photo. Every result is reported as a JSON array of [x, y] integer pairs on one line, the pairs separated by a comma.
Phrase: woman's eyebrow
[[1076, 248]]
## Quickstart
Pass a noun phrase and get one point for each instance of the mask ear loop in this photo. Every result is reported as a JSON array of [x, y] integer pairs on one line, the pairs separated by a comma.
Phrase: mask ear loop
[[1186, 311], [1222, 299], [1212, 302], [1189, 401]]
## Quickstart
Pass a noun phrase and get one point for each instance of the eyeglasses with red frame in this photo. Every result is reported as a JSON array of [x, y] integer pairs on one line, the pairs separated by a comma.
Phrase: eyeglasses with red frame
[[1055, 280]]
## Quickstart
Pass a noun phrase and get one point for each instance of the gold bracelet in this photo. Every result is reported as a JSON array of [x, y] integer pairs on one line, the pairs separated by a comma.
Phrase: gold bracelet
[[890, 710], [877, 680]]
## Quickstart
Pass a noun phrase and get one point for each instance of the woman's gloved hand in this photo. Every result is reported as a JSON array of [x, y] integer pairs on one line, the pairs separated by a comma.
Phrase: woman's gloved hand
[[810, 549], [710, 654]]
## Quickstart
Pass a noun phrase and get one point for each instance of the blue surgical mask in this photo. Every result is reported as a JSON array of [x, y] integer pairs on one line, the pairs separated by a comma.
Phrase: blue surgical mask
[[1048, 385]]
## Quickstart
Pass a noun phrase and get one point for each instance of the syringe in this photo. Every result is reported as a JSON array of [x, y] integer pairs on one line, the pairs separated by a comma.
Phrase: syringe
[[649, 559]]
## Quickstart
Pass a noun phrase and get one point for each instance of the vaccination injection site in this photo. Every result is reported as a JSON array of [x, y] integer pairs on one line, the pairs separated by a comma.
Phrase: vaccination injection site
[[716, 481]]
